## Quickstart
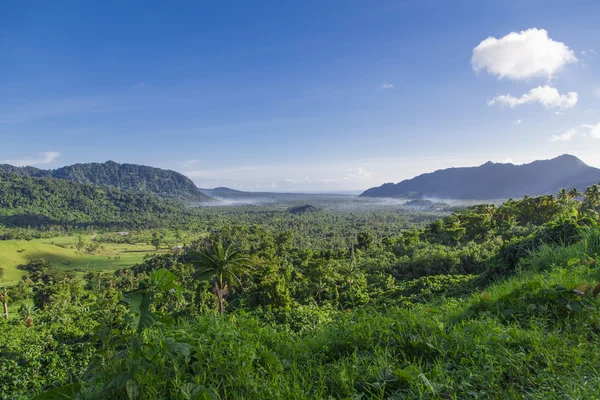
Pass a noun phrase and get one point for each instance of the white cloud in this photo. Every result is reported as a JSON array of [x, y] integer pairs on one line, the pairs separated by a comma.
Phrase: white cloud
[[387, 86], [189, 164], [564, 137], [528, 54], [588, 53], [357, 174], [291, 180], [559, 113], [585, 130], [593, 131], [518, 122], [548, 96], [44, 158]]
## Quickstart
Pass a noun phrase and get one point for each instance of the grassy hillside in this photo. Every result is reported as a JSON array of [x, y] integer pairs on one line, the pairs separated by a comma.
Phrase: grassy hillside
[[61, 253]]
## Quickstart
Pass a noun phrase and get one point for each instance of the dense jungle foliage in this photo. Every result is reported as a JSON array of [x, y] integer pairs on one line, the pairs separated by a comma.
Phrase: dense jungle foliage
[[47, 202], [125, 177], [488, 302]]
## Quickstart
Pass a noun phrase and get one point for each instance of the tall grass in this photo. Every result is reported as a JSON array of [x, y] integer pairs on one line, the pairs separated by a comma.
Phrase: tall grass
[[550, 256]]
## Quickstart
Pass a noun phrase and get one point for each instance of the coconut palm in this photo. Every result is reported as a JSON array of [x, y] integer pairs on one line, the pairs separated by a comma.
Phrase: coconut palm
[[224, 265], [592, 196], [562, 195], [573, 193]]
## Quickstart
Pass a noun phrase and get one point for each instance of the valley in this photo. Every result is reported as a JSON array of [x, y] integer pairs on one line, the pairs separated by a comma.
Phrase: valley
[[294, 295]]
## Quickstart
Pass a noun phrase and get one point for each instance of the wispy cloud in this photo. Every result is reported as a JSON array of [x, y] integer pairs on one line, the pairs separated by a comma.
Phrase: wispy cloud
[[585, 130], [291, 180], [386, 86], [565, 136], [547, 96], [518, 122], [189, 164], [357, 174], [588, 53], [47, 157], [592, 131]]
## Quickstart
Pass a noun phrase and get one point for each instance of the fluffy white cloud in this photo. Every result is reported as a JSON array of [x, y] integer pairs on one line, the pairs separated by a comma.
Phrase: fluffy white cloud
[[548, 96], [387, 86], [528, 54], [44, 158], [518, 122]]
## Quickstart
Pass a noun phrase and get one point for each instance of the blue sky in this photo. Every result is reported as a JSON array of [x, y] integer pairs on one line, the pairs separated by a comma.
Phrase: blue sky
[[299, 96]]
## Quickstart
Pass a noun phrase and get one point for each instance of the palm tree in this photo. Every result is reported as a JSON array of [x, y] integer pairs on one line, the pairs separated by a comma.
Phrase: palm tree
[[562, 195], [573, 193], [224, 265], [592, 196]]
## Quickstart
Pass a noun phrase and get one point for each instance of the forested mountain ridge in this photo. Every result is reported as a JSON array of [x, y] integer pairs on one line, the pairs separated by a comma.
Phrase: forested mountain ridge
[[42, 201], [495, 180], [125, 177]]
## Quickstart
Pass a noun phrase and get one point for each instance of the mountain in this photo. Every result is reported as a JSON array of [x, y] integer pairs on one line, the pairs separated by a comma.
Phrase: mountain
[[125, 177], [495, 180], [42, 201]]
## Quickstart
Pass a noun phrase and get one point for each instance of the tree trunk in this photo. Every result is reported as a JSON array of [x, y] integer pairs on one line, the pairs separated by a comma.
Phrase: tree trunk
[[220, 296], [5, 304], [218, 291]]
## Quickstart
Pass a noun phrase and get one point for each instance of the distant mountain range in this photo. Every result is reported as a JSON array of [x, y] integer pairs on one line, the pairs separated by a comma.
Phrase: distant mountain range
[[125, 177], [494, 181]]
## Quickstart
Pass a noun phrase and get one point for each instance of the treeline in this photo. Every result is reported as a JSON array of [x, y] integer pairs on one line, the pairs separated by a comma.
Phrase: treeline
[[45, 202]]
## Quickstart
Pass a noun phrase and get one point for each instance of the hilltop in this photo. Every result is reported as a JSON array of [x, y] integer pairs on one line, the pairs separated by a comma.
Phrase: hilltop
[[125, 177], [495, 180]]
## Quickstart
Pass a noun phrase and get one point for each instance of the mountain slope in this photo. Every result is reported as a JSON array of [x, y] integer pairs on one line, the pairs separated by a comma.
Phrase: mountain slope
[[125, 177], [495, 180], [35, 201]]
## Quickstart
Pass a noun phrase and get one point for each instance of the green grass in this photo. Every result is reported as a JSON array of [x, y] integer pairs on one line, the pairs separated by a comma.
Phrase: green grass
[[61, 253]]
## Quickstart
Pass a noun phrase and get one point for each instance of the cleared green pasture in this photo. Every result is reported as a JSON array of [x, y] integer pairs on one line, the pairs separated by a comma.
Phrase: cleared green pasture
[[61, 253]]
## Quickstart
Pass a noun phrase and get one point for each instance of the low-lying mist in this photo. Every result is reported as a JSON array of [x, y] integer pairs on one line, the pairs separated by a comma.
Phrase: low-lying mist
[[342, 202]]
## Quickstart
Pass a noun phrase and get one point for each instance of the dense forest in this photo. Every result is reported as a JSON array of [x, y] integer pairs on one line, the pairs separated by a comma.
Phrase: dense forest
[[42, 202], [125, 177], [488, 302]]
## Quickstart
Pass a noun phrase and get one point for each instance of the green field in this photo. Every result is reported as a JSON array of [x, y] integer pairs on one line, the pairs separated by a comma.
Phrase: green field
[[61, 253]]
